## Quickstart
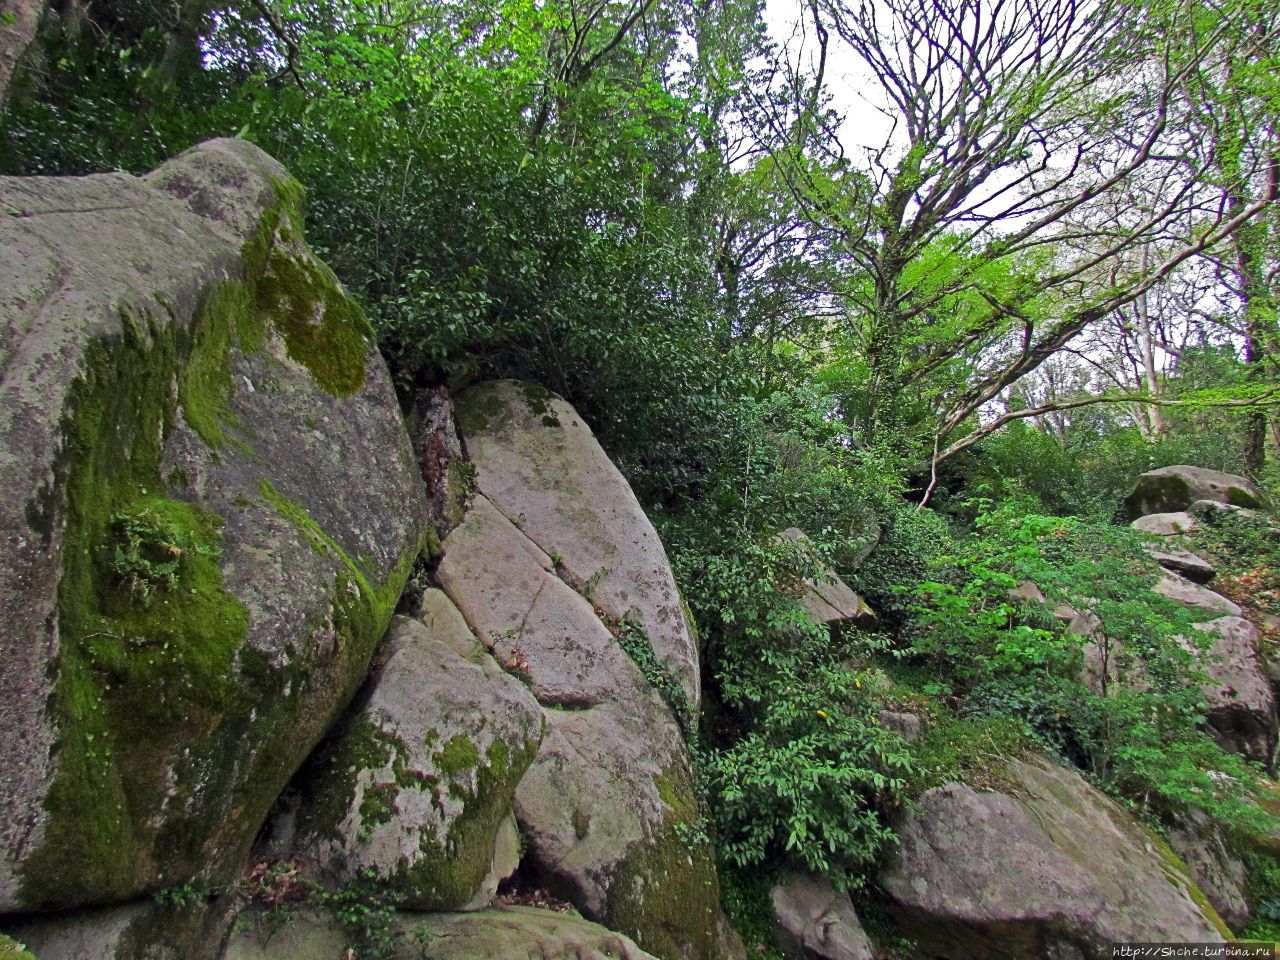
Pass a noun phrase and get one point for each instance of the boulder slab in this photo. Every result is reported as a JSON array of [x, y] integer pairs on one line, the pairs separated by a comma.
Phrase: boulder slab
[[416, 789], [814, 921], [1175, 488], [500, 933], [197, 930], [1046, 867], [212, 507], [1166, 524], [541, 467], [1195, 597]]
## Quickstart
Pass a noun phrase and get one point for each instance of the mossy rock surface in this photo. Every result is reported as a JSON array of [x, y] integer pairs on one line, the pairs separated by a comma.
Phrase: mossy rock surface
[[210, 517], [195, 929], [504, 933], [1170, 489], [607, 808], [414, 788], [1046, 866]]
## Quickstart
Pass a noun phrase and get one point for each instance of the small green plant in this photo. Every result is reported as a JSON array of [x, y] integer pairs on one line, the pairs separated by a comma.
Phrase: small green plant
[[148, 549], [366, 912], [184, 895]]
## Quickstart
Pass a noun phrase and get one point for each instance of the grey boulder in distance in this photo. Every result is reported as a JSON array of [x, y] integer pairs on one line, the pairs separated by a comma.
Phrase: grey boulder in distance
[[1170, 489]]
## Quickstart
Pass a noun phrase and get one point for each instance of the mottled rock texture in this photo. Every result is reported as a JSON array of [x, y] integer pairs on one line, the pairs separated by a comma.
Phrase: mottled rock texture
[[1046, 867], [416, 788], [135, 931], [559, 573], [814, 921], [1170, 489], [211, 507], [827, 598], [541, 467], [503, 933]]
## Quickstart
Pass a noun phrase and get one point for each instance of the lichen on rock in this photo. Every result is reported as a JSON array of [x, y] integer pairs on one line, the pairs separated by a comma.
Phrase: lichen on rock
[[177, 646]]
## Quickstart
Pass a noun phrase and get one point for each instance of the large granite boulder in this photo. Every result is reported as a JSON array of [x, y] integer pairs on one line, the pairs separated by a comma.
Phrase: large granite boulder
[[502, 933], [541, 467], [416, 789], [1241, 702], [1048, 867], [814, 921], [211, 508], [605, 804], [1175, 488]]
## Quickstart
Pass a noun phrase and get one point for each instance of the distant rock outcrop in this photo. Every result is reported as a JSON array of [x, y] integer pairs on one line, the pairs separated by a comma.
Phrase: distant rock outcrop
[[1171, 489], [827, 598], [211, 509]]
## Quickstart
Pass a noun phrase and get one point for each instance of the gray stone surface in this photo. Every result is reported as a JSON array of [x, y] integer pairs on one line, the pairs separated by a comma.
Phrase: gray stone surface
[[1218, 871], [1194, 597], [603, 806], [173, 356], [501, 933], [416, 789], [1048, 867], [828, 599], [540, 466], [1184, 563], [1241, 702], [1175, 488], [813, 921], [135, 931], [1166, 524]]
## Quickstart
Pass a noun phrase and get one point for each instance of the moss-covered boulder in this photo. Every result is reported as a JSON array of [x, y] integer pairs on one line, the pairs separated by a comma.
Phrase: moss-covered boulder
[[415, 790], [502, 933], [1175, 488], [1044, 867], [188, 926], [211, 509], [539, 464]]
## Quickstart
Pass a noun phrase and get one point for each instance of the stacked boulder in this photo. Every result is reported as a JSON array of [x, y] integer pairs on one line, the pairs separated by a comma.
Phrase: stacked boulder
[[1170, 505], [215, 507]]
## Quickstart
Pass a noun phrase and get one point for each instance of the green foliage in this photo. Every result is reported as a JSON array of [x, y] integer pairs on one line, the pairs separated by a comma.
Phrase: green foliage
[[1113, 688], [148, 552], [1263, 873], [366, 912], [745, 895]]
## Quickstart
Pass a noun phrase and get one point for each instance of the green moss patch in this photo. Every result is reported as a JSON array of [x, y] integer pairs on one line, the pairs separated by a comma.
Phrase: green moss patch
[[11, 949], [665, 895], [974, 751]]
